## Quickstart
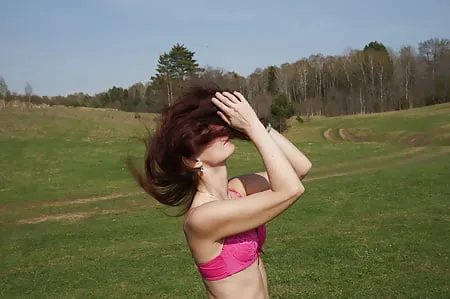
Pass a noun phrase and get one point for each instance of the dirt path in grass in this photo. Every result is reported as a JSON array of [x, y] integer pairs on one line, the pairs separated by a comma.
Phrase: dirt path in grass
[[410, 141], [82, 215], [68, 216], [88, 199], [345, 135], [375, 159], [420, 158], [418, 140], [328, 134], [36, 205]]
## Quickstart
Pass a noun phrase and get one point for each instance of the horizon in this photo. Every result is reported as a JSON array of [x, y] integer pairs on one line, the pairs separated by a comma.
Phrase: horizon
[[91, 46]]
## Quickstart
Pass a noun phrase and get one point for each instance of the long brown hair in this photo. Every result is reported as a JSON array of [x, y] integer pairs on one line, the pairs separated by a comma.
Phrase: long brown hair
[[185, 129]]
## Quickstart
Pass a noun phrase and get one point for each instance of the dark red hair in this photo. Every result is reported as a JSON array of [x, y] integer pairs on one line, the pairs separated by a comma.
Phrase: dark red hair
[[185, 130]]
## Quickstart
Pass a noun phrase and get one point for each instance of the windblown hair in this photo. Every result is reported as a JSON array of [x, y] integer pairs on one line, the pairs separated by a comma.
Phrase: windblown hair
[[186, 128]]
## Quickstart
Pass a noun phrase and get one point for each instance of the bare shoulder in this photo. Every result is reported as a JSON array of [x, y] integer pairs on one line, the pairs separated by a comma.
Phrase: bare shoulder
[[217, 219], [198, 220], [250, 183], [237, 184]]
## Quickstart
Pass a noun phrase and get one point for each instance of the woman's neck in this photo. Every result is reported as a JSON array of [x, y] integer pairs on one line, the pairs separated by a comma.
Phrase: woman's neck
[[214, 182]]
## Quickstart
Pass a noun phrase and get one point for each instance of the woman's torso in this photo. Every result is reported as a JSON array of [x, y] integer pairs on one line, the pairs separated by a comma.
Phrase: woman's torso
[[249, 283], [232, 268]]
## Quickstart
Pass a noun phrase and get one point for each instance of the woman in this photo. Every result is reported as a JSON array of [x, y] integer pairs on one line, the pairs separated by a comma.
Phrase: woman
[[225, 218]]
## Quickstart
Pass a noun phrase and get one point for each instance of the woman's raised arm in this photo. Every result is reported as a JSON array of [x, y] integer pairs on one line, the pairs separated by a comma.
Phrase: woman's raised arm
[[221, 218]]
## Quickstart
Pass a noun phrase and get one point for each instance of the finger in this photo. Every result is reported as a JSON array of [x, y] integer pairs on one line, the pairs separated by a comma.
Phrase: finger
[[226, 101], [231, 97], [221, 105], [239, 96], [224, 117]]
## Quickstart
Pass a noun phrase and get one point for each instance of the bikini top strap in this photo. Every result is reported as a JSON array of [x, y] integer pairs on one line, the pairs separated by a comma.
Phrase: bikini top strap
[[235, 192]]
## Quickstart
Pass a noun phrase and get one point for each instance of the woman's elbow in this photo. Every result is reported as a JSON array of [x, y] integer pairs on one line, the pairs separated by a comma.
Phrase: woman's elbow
[[298, 191], [308, 166], [305, 170]]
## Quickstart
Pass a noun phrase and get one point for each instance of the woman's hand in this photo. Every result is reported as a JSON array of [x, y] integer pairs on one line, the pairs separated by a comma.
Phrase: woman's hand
[[236, 111]]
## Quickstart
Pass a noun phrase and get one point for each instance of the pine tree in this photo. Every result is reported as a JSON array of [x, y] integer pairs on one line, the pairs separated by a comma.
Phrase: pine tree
[[380, 67], [175, 67], [272, 81], [280, 110]]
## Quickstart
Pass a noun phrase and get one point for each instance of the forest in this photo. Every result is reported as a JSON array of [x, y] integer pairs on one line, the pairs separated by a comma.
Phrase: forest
[[372, 79]]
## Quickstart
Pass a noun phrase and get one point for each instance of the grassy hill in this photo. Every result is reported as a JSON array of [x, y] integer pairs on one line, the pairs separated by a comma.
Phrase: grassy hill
[[373, 223]]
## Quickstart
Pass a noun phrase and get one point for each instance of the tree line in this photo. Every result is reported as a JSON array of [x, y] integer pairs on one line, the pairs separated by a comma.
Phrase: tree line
[[367, 80]]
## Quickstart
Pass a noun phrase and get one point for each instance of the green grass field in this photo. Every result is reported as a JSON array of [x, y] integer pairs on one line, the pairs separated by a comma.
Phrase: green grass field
[[373, 223]]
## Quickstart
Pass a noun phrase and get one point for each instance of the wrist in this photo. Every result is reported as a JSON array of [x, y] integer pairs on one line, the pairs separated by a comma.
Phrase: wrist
[[256, 129]]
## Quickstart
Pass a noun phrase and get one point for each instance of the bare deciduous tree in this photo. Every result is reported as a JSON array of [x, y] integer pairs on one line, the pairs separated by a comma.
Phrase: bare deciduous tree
[[28, 92]]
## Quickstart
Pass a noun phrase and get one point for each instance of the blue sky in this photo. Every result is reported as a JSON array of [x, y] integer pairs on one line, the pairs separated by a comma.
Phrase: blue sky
[[62, 47]]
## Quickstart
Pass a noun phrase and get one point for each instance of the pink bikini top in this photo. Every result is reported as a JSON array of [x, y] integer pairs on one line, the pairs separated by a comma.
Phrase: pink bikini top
[[239, 252]]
